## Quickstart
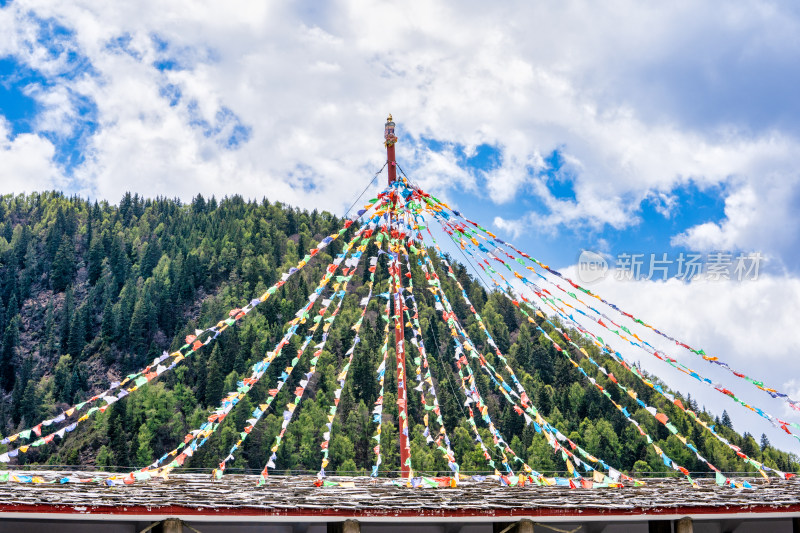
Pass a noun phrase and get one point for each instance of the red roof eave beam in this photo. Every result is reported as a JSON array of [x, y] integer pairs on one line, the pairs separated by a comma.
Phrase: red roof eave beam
[[250, 514]]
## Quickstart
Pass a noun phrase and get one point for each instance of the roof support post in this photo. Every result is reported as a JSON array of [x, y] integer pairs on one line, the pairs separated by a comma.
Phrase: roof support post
[[172, 525], [684, 525], [524, 526]]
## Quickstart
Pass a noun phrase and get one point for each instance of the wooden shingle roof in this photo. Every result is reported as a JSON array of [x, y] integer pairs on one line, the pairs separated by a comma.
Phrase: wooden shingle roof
[[238, 497]]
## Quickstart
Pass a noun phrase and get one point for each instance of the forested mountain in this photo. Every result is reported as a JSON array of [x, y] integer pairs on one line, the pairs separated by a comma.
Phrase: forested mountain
[[92, 291]]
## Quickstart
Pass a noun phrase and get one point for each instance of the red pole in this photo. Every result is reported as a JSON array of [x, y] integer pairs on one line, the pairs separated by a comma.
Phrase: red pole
[[402, 426], [399, 333], [390, 141]]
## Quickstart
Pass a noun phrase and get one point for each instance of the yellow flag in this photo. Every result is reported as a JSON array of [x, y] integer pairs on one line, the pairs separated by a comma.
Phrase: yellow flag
[[657, 449]]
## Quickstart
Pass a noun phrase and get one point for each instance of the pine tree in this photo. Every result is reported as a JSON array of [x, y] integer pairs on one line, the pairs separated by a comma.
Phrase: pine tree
[[108, 324], [10, 343], [139, 330], [65, 318], [62, 379], [96, 256], [118, 437], [31, 403], [726, 420], [47, 345], [64, 266], [78, 331], [28, 275], [214, 377]]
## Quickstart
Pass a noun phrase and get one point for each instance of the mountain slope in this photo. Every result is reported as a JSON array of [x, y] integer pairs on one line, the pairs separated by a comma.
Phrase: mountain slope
[[91, 292]]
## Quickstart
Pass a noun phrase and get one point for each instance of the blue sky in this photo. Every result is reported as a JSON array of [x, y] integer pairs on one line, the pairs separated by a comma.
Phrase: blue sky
[[651, 230], [624, 128], [56, 74]]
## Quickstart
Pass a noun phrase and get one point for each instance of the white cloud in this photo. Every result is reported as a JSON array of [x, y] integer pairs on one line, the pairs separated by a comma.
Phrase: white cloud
[[515, 228], [313, 86], [29, 159], [748, 324], [758, 216]]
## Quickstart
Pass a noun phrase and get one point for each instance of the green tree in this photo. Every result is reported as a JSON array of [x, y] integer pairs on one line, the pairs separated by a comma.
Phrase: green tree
[[105, 457], [64, 265], [62, 379], [7, 363], [144, 449], [726, 420], [214, 377], [96, 256], [78, 331]]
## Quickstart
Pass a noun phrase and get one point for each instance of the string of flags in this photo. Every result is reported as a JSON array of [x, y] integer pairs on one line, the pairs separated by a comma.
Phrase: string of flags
[[426, 382], [504, 388], [198, 437], [458, 234], [526, 409], [118, 390], [341, 377], [397, 218], [433, 280], [377, 411], [509, 290], [494, 241], [660, 417], [291, 407]]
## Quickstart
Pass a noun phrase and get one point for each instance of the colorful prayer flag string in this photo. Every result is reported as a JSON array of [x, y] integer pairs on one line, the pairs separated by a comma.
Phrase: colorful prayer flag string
[[197, 438], [156, 368], [509, 290], [527, 407], [342, 375], [291, 407], [463, 232], [422, 363], [377, 411], [794, 404]]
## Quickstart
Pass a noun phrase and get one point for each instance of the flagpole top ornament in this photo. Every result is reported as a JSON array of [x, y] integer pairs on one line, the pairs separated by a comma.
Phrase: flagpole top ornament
[[388, 133]]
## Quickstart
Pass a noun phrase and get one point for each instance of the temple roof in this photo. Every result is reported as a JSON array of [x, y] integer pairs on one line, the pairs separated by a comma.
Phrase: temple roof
[[194, 495]]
